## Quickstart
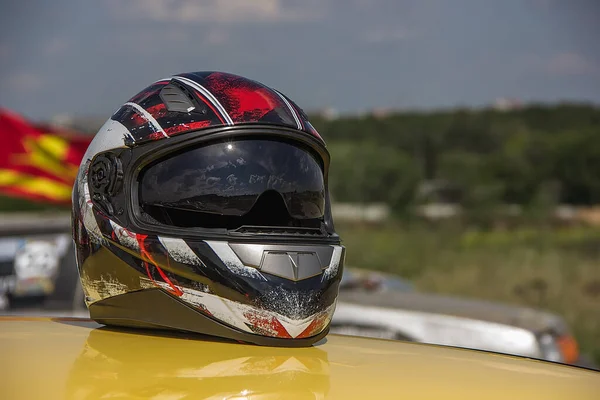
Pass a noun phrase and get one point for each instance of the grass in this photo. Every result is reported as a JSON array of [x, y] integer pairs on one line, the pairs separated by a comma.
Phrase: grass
[[551, 269]]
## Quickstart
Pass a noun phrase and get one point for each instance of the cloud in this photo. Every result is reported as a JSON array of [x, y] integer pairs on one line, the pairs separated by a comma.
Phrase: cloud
[[383, 35], [217, 37], [149, 43], [56, 46], [571, 64], [544, 5], [4, 50], [224, 11], [24, 82]]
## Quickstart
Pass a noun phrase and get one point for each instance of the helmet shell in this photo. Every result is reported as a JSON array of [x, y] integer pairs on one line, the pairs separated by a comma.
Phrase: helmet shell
[[265, 285]]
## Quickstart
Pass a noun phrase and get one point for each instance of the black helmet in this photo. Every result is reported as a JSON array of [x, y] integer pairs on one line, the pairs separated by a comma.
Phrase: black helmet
[[202, 205]]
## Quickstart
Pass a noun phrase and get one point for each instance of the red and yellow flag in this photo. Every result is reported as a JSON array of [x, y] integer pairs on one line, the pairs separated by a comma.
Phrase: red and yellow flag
[[36, 162]]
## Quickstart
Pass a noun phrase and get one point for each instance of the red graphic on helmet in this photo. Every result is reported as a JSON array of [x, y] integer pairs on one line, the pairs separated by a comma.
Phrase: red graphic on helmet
[[246, 100], [147, 257]]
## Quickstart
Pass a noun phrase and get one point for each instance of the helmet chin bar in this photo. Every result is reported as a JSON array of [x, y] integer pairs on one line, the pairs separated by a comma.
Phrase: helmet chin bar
[[280, 310]]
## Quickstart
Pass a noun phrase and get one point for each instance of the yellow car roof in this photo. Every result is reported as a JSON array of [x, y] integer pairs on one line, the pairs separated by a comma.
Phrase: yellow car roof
[[70, 358]]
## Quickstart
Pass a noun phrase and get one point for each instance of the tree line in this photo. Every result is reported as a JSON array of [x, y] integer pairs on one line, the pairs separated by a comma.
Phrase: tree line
[[528, 156]]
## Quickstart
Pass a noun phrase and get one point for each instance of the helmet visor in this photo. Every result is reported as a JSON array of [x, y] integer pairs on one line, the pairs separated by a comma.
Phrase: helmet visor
[[227, 178]]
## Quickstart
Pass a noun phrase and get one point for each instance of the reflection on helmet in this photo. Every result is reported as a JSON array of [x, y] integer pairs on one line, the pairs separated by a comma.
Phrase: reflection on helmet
[[139, 365]]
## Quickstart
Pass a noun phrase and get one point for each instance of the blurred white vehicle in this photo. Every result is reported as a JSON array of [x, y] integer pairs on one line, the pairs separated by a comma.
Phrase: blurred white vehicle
[[30, 266], [378, 305]]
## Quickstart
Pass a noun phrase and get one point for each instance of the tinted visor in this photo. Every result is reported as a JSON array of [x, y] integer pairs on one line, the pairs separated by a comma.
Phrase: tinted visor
[[228, 178]]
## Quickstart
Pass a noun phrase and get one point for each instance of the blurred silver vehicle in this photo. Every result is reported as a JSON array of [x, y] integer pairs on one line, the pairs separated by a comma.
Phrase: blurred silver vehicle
[[378, 305]]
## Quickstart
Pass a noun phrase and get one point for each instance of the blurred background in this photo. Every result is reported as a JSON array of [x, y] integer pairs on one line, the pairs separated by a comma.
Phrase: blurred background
[[465, 142]]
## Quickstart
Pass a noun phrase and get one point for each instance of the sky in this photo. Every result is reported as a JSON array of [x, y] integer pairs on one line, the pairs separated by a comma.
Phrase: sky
[[86, 58]]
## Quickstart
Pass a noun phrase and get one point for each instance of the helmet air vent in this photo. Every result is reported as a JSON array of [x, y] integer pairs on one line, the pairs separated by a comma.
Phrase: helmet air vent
[[176, 99]]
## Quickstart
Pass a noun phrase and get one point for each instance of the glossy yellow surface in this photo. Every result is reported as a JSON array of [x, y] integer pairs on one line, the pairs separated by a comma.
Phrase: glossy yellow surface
[[45, 358]]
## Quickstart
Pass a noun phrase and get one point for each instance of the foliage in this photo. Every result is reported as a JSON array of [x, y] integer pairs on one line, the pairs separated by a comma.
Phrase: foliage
[[495, 157], [370, 173], [10, 204]]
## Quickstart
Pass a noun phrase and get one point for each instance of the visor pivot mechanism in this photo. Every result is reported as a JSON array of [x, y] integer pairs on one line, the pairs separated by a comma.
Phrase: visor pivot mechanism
[[106, 179]]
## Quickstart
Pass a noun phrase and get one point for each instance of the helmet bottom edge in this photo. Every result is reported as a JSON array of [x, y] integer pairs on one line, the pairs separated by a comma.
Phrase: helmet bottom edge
[[158, 310]]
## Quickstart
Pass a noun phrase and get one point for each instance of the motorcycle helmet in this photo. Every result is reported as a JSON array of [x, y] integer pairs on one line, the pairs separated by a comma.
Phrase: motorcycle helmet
[[202, 205]]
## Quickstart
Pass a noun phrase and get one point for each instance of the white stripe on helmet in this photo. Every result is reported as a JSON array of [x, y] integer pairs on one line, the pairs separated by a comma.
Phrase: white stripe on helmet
[[287, 103], [179, 251]]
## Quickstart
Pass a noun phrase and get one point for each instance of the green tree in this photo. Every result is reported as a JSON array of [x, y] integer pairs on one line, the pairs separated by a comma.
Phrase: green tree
[[366, 172]]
